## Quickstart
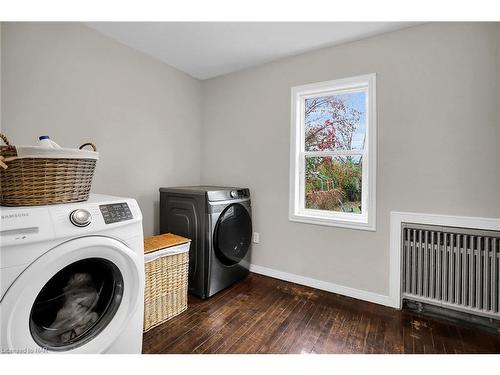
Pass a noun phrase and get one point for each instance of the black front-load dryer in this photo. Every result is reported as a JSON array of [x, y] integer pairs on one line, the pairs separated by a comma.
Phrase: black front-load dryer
[[218, 220]]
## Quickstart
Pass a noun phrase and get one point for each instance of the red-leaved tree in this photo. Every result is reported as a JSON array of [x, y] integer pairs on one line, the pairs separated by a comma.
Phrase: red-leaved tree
[[330, 123]]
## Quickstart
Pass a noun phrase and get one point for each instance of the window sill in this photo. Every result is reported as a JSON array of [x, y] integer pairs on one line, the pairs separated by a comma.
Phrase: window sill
[[361, 224]]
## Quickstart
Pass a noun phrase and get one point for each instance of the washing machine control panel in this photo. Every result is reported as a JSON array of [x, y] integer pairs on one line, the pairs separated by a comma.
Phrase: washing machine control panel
[[115, 212]]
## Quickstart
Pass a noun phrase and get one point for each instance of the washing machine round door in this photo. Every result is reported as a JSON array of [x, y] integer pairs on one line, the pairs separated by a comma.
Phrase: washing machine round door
[[77, 297], [232, 235]]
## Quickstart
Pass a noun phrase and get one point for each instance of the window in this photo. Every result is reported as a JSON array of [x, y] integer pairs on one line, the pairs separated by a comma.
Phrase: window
[[333, 156]]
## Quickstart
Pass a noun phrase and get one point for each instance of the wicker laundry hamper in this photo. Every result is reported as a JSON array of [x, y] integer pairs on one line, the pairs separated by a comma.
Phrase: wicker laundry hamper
[[166, 263], [34, 176]]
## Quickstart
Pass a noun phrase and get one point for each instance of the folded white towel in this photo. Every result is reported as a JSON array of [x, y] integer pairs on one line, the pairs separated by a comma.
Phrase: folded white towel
[[64, 153]]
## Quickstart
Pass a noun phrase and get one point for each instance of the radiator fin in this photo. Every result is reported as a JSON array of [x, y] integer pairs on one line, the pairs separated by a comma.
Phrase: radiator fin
[[452, 267]]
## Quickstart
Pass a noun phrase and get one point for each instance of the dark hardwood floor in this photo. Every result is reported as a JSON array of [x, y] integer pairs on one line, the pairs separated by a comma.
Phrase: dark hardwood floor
[[265, 315]]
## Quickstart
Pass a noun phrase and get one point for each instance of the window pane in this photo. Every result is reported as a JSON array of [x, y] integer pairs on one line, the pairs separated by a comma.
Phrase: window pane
[[333, 183], [335, 122]]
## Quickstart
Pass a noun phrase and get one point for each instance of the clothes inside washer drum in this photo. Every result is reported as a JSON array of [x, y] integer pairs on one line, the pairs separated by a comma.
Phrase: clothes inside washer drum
[[77, 314]]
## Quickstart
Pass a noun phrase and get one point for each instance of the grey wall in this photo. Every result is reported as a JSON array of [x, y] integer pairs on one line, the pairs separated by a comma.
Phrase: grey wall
[[498, 98], [438, 133], [1, 87], [438, 93], [76, 85]]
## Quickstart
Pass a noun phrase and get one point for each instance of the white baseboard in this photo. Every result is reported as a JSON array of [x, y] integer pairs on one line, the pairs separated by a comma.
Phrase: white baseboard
[[324, 285]]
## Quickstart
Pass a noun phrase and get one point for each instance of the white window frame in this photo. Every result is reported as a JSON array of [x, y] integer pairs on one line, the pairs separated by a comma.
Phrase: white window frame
[[297, 211]]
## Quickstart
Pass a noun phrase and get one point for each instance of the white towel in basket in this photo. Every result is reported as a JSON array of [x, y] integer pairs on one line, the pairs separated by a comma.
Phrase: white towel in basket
[[37, 152]]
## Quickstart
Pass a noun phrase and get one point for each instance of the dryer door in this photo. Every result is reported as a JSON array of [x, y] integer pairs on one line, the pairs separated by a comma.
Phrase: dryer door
[[232, 235], [75, 298]]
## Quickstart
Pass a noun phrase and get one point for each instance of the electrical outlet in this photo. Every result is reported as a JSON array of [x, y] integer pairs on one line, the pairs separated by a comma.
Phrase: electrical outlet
[[256, 237]]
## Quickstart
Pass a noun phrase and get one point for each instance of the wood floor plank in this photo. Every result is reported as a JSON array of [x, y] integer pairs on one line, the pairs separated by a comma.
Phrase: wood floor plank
[[173, 331], [265, 315], [292, 329], [312, 331], [272, 331], [209, 325], [298, 329], [356, 338], [249, 315], [249, 335]]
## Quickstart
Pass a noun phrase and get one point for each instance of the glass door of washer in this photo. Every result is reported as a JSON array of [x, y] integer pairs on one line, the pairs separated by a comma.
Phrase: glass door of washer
[[232, 235], [76, 304]]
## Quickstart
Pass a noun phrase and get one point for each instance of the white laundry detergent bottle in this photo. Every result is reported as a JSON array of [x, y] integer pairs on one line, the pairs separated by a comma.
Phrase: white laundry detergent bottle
[[45, 141]]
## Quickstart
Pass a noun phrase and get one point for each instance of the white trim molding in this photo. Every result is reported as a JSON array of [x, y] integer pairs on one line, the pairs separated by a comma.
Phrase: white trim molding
[[365, 220], [324, 285], [397, 218]]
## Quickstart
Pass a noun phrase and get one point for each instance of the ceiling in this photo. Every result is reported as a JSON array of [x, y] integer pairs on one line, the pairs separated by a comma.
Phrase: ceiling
[[209, 49]]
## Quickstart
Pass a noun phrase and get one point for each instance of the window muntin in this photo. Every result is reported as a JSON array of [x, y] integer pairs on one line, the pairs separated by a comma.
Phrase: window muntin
[[332, 176]]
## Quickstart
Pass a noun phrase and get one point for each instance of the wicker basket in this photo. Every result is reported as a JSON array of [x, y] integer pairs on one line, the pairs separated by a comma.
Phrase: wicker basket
[[165, 294], [40, 181]]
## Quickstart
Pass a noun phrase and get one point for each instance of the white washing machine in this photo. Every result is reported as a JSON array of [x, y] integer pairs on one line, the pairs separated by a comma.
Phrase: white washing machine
[[72, 277]]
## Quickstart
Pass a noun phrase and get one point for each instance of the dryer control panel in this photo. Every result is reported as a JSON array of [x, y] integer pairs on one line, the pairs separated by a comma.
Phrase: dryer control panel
[[115, 212], [227, 194]]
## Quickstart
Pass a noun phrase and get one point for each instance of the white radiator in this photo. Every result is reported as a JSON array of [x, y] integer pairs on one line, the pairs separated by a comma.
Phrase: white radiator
[[458, 268]]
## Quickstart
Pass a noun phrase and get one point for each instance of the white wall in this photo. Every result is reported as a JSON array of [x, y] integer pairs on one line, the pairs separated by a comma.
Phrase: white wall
[[438, 133], [76, 85]]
